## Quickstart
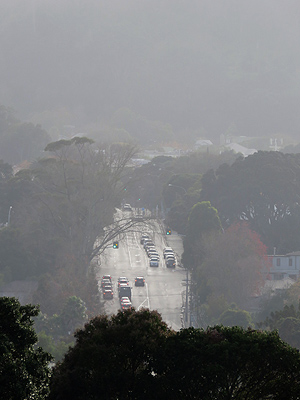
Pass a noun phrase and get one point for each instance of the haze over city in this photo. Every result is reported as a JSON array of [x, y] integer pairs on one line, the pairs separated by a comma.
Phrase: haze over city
[[193, 69], [149, 199]]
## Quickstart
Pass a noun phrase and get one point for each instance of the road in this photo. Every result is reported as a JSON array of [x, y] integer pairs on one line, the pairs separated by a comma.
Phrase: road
[[163, 290]]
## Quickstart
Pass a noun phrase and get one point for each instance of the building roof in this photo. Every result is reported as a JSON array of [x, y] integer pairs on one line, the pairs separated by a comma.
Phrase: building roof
[[204, 142], [294, 253], [240, 149]]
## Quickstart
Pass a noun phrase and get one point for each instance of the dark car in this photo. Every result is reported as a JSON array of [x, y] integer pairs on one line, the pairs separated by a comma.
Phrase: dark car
[[139, 281], [124, 291], [170, 263], [108, 294], [154, 262]]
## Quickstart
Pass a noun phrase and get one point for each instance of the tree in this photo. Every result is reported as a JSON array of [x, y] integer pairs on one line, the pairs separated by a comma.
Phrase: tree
[[134, 355], [227, 363], [112, 358], [24, 370], [263, 190], [287, 322], [236, 317], [235, 265], [72, 200], [203, 221]]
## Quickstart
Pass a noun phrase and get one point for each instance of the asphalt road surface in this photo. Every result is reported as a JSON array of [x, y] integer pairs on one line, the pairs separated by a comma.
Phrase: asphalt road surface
[[163, 290]]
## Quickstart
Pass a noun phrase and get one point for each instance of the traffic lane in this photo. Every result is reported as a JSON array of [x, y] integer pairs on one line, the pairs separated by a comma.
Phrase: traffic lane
[[165, 293], [163, 285], [162, 291]]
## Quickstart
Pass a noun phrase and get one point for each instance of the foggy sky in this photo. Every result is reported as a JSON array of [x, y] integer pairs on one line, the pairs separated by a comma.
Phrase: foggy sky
[[197, 65]]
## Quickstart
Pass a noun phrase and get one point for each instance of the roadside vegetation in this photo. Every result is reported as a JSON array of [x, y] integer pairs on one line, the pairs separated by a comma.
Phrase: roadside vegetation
[[135, 355]]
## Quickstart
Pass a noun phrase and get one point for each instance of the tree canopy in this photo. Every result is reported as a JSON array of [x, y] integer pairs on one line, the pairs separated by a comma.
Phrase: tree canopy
[[262, 189], [203, 221], [112, 358], [234, 268], [133, 355], [24, 370]]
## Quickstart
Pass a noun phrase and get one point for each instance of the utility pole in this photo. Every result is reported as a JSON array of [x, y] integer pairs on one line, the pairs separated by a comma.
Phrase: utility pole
[[9, 213], [187, 300]]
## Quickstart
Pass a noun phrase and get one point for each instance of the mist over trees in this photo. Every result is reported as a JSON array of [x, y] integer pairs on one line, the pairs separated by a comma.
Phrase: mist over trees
[[196, 69]]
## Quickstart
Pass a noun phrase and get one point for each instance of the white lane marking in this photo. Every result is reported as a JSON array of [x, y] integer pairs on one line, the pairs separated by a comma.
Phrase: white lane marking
[[146, 299]]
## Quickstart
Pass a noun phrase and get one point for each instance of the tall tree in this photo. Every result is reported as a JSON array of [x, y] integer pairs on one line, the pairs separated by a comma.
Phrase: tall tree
[[73, 198], [203, 221], [112, 358], [24, 370]]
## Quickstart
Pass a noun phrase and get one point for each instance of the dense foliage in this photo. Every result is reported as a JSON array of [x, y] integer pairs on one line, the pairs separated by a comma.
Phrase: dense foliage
[[203, 221], [134, 355], [112, 358], [24, 370], [262, 189]]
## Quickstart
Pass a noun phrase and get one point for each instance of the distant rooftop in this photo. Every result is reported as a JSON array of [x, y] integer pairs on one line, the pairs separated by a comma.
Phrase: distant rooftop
[[240, 149]]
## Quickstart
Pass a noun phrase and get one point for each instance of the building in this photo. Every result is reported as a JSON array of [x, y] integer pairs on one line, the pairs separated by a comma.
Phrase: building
[[285, 266]]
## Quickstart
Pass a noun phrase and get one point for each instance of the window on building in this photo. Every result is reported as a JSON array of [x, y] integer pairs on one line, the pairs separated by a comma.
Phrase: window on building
[[290, 262], [278, 262]]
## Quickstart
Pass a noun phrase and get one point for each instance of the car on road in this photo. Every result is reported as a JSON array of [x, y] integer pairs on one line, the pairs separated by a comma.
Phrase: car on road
[[151, 250], [125, 300], [107, 277], [123, 281], [123, 278], [143, 237], [154, 262], [105, 282], [126, 306], [148, 243], [153, 254], [125, 303], [170, 263], [170, 256], [124, 291], [108, 294], [139, 281], [167, 250]]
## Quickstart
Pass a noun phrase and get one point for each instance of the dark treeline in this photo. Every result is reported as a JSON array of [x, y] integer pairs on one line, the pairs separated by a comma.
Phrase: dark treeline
[[135, 355]]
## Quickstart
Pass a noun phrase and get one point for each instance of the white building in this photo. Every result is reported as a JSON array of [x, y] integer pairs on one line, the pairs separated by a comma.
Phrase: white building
[[285, 266]]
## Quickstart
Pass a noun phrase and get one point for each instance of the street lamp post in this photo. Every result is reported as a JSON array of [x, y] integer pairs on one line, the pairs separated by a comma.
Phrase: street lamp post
[[9, 213]]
